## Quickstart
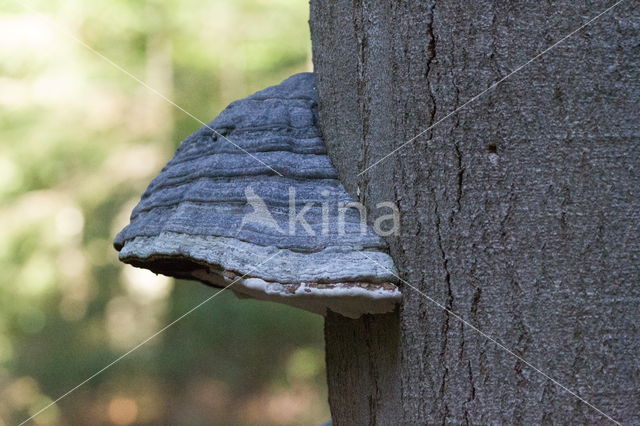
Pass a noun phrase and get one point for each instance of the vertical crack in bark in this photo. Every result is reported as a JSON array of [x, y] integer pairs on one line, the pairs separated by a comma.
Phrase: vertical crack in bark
[[472, 394], [373, 398], [361, 83], [460, 176], [507, 215], [475, 302], [431, 47], [448, 305], [458, 151], [438, 221]]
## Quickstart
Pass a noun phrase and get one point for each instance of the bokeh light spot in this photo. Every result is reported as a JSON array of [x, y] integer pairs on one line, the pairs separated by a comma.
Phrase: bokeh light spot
[[123, 411]]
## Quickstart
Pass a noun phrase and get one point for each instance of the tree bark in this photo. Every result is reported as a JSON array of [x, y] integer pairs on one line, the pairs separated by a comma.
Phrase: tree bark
[[519, 213]]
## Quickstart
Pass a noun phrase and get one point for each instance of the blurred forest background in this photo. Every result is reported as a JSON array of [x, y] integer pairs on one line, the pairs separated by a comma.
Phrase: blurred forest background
[[79, 141]]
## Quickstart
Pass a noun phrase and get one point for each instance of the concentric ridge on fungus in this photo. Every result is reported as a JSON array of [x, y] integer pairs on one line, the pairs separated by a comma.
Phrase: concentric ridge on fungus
[[218, 215]]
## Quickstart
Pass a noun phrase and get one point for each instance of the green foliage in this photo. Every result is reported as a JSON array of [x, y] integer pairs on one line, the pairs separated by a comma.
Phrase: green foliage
[[79, 141]]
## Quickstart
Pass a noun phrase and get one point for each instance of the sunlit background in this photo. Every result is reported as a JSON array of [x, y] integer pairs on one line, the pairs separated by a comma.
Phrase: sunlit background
[[79, 141]]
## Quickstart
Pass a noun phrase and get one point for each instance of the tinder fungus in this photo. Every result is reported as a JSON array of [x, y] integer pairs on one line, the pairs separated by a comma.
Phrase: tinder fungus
[[252, 201]]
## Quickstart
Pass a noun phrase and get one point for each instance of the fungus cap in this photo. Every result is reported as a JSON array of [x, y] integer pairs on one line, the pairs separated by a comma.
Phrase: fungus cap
[[219, 213]]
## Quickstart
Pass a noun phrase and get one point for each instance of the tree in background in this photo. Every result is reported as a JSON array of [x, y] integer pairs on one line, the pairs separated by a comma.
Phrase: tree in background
[[79, 141]]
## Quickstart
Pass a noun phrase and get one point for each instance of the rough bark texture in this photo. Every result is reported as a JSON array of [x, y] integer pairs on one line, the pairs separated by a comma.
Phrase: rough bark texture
[[520, 212], [364, 368]]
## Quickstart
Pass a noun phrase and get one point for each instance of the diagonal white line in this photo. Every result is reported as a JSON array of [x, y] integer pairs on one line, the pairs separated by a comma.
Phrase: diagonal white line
[[118, 67], [115, 361], [493, 86], [500, 345]]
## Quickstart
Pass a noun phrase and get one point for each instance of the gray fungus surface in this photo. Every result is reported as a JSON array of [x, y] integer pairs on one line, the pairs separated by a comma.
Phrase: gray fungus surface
[[257, 205]]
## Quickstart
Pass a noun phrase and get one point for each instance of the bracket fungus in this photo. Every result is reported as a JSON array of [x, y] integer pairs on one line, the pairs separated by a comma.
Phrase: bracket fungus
[[256, 205]]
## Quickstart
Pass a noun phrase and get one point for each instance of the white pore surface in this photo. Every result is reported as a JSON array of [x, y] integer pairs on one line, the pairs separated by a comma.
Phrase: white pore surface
[[349, 301]]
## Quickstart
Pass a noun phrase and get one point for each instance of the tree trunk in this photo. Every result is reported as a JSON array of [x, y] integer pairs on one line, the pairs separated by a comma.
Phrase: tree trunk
[[519, 212]]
